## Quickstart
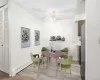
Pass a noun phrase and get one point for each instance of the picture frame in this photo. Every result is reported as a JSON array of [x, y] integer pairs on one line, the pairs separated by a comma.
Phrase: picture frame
[[37, 37], [25, 37]]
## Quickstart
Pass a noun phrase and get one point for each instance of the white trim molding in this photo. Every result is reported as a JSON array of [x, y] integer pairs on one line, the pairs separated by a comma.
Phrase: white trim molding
[[18, 69], [80, 17]]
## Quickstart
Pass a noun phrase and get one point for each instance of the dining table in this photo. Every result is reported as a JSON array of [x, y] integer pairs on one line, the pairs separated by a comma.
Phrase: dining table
[[50, 55]]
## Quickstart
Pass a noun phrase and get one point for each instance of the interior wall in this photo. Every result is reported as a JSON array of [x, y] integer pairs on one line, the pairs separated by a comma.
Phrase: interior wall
[[3, 2], [80, 7], [67, 28], [18, 17], [93, 40]]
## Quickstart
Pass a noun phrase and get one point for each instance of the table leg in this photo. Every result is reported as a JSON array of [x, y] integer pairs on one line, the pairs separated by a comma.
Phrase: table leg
[[47, 63]]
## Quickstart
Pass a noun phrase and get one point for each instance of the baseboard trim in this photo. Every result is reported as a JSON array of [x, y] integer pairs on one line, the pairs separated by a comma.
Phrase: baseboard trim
[[20, 68], [75, 62]]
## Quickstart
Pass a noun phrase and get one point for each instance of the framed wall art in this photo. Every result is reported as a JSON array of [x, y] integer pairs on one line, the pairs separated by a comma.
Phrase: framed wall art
[[37, 37], [25, 37]]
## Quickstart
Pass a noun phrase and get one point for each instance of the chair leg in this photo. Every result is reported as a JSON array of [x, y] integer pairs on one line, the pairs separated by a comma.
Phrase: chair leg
[[49, 59], [57, 67], [43, 62], [38, 68], [70, 71], [34, 65], [47, 63], [62, 77], [38, 72], [57, 70]]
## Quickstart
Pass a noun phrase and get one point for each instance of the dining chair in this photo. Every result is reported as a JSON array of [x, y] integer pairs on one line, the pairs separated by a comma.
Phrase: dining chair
[[36, 61], [46, 58], [65, 50], [64, 63], [45, 50]]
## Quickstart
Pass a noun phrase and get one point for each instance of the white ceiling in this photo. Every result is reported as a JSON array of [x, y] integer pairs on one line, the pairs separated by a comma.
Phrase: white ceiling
[[44, 8]]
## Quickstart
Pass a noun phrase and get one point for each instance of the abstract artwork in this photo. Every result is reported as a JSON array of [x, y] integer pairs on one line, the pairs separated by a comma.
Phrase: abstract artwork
[[25, 37], [37, 37]]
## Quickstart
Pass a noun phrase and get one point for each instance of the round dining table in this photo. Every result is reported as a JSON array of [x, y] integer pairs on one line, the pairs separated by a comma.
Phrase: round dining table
[[50, 55]]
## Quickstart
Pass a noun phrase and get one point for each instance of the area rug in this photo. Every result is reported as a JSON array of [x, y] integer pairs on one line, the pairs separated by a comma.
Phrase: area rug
[[18, 78]]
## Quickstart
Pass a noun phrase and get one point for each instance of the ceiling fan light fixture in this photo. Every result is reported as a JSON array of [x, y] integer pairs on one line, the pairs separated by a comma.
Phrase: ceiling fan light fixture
[[53, 19]]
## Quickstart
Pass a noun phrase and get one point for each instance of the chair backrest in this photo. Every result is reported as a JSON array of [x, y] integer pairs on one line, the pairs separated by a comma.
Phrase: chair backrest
[[44, 49], [67, 61], [65, 50], [33, 58], [70, 59]]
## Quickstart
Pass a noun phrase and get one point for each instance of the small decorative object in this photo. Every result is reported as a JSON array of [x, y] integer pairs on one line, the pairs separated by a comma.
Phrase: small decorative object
[[25, 37], [52, 38], [58, 38], [37, 37], [63, 39], [51, 46]]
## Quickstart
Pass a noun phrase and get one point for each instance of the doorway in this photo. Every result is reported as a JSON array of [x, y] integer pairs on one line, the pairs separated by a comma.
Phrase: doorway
[[81, 34], [4, 40]]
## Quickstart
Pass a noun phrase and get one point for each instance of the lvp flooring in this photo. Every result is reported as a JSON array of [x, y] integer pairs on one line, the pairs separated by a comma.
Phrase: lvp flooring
[[17, 77], [50, 73], [3, 75]]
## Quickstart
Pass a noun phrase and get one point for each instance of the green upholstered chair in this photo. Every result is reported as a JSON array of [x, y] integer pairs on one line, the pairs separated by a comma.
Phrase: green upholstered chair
[[44, 49], [36, 61], [65, 63], [65, 50]]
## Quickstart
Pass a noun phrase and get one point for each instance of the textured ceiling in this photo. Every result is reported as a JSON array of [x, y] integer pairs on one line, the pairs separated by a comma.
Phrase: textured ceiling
[[48, 4], [44, 8]]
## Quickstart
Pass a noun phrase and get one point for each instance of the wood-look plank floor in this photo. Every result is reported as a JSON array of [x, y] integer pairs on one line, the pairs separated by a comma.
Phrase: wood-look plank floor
[[3, 75], [51, 72], [17, 77]]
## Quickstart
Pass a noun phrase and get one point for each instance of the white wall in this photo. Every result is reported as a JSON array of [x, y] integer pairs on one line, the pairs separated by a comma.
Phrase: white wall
[[66, 28], [3, 2], [80, 7], [18, 18], [93, 40], [79, 17], [4, 51]]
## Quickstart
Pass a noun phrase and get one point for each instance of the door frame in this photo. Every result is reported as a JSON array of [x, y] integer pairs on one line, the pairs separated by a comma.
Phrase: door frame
[[9, 55]]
